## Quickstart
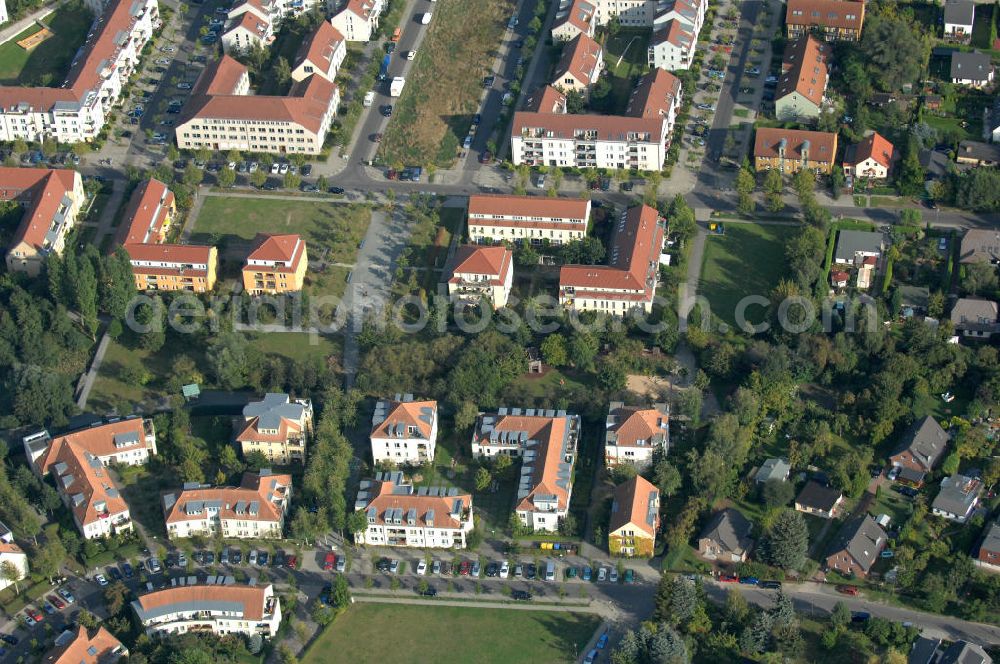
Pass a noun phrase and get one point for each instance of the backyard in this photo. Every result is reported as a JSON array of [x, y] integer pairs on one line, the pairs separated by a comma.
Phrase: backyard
[[452, 634], [626, 60], [47, 63], [443, 90], [747, 260]]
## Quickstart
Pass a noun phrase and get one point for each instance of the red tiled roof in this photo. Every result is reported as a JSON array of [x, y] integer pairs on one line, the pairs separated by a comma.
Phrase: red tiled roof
[[822, 145], [804, 69], [363, 8], [251, 597], [406, 413], [220, 77], [98, 440], [529, 207], [91, 480], [631, 503], [825, 13], [596, 127], [674, 32], [277, 249], [654, 96], [43, 191], [494, 262], [637, 424], [546, 100], [580, 59], [320, 45], [874, 146], [100, 648], [441, 506], [186, 254], [580, 16], [635, 253], [269, 491], [252, 24], [146, 213]]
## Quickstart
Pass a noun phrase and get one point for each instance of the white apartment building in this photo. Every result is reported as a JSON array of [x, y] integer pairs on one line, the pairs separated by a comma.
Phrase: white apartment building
[[277, 427], [322, 53], [545, 440], [245, 31], [13, 554], [588, 141], [634, 435], [357, 20], [658, 95], [425, 517], [128, 442], [675, 33], [476, 272], [77, 110], [254, 510], [4, 16], [220, 609], [404, 430], [495, 218]]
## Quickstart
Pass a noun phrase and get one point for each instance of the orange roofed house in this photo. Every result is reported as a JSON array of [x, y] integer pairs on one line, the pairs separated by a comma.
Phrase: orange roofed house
[[277, 427], [545, 440], [580, 65], [220, 609], [871, 158], [277, 264], [51, 200], [628, 281], [254, 510], [635, 518], [404, 430], [790, 150], [78, 646], [836, 20], [78, 463], [540, 220], [804, 77], [159, 266], [634, 435], [576, 19], [399, 514], [477, 272]]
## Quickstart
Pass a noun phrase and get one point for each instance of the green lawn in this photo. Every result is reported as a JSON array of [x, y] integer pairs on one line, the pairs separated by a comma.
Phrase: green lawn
[[626, 52], [452, 634], [331, 230], [47, 63], [747, 260], [296, 346], [950, 126], [122, 363]]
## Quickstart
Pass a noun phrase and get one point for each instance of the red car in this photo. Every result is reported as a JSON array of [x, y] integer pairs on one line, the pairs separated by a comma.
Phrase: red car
[[391, 174], [847, 590], [292, 562], [35, 614], [329, 562], [465, 568], [56, 602], [728, 578]]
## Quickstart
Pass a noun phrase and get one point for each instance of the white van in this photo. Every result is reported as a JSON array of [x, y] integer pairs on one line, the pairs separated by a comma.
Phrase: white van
[[369, 98], [550, 571], [425, 18]]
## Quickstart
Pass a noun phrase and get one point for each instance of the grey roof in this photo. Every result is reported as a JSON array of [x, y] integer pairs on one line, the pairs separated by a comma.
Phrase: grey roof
[[915, 296], [979, 151], [923, 650], [730, 529], [926, 440], [974, 66], [972, 313], [963, 652], [818, 497], [215, 606], [980, 245], [937, 164], [991, 541], [271, 409], [850, 243], [958, 495], [773, 469], [960, 12], [907, 474], [862, 538]]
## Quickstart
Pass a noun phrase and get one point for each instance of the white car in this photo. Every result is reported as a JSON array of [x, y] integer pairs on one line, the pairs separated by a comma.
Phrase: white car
[[101, 580], [162, 61], [504, 570], [253, 557], [274, 168], [410, 55], [422, 567], [894, 473], [283, 168]]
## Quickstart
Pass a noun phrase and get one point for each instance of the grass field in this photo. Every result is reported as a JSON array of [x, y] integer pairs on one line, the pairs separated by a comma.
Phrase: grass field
[[442, 92], [626, 60], [747, 260], [331, 230], [47, 63], [122, 363], [296, 346], [452, 634]]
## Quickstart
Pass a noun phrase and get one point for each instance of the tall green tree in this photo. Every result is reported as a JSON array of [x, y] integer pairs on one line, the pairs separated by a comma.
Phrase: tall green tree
[[788, 541]]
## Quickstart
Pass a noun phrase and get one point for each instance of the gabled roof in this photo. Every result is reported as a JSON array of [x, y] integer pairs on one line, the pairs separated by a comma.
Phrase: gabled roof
[[247, 602], [580, 15], [387, 500], [363, 8], [656, 94], [674, 32], [581, 59], [958, 494], [483, 207], [974, 311], [730, 530], [146, 213], [636, 502], [171, 255], [546, 100], [275, 412], [82, 648], [260, 497], [251, 23], [818, 497], [85, 481], [594, 127], [978, 151], [974, 66], [874, 146], [103, 441], [43, 191], [393, 418], [991, 540], [851, 242], [826, 13], [804, 69], [980, 244], [773, 469], [320, 46], [959, 12], [283, 253], [770, 141], [494, 263], [628, 426], [963, 652], [926, 440], [220, 77], [862, 539]]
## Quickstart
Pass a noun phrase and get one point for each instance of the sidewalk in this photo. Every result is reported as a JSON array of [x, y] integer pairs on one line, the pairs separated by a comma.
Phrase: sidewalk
[[14, 29]]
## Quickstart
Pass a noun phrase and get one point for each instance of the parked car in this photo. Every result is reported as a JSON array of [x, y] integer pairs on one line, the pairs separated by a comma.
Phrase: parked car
[[422, 567], [602, 642], [329, 561], [341, 564], [465, 568], [586, 573], [530, 571], [430, 592], [101, 580], [253, 557], [504, 570], [436, 567], [492, 570], [292, 562], [9, 639], [56, 602], [224, 557], [520, 595], [127, 570], [860, 616], [154, 566], [749, 580], [629, 575], [613, 576], [476, 569], [48, 608], [262, 557], [393, 566], [336, 190], [728, 578], [771, 585], [115, 574], [591, 657], [848, 590]]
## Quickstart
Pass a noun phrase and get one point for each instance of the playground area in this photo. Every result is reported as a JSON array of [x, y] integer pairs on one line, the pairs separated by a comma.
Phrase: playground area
[[31, 41]]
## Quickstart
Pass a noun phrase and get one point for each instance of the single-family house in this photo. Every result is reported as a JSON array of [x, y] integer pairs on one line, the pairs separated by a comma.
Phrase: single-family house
[[975, 317], [991, 121], [957, 498], [819, 500], [988, 554], [635, 519], [404, 430], [804, 77], [790, 150], [836, 20], [973, 69], [853, 247], [922, 446], [726, 537], [871, 158], [478, 272], [958, 18], [963, 652], [580, 65], [633, 435], [839, 278], [980, 246], [976, 153], [856, 547], [773, 469], [924, 650]]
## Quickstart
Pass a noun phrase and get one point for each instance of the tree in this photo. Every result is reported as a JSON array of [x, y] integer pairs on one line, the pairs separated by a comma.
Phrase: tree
[[291, 180], [980, 278], [85, 291], [894, 50], [554, 350], [575, 103], [788, 541], [682, 218], [950, 464], [282, 70], [745, 185], [10, 573], [357, 522], [227, 177], [678, 603], [777, 493], [773, 187], [837, 183], [49, 558], [193, 175], [666, 477], [258, 178], [840, 616], [483, 479]]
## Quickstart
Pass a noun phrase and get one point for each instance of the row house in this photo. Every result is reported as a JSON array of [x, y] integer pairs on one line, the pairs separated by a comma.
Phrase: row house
[[635, 435], [803, 81], [254, 510], [836, 20], [78, 109], [357, 20], [52, 199], [399, 514], [221, 610], [628, 282], [791, 150], [276, 426], [499, 218], [404, 430], [476, 273], [546, 443], [635, 519], [276, 264]]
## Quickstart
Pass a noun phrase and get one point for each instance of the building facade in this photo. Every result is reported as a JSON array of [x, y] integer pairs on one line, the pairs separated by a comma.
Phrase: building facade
[[577, 18], [790, 150], [588, 141], [51, 199], [277, 264], [404, 430], [277, 427], [254, 510], [635, 435], [635, 519], [497, 218], [476, 273], [836, 20], [871, 158], [222, 610], [580, 65], [13, 554], [357, 20]]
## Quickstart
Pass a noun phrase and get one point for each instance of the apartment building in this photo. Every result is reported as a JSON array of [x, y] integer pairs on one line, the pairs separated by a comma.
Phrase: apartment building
[[277, 264], [476, 273], [634, 435], [52, 199], [495, 218], [635, 519], [254, 510], [4, 16], [579, 66], [77, 110], [221, 116], [321, 53], [588, 141], [220, 609], [148, 215], [546, 100], [546, 442], [872, 158], [246, 30], [803, 81], [404, 430], [278, 427], [576, 19], [836, 20], [357, 20], [672, 46], [398, 514], [658, 95], [13, 554], [127, 442], [628, 282], [79, 646], [789, 150]]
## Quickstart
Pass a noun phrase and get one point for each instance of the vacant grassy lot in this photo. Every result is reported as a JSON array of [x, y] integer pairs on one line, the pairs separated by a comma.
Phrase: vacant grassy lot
[[452, 634], [747, 260], [47, 63], [443, 90], [296, 346], [133, 374], [331, 230]]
